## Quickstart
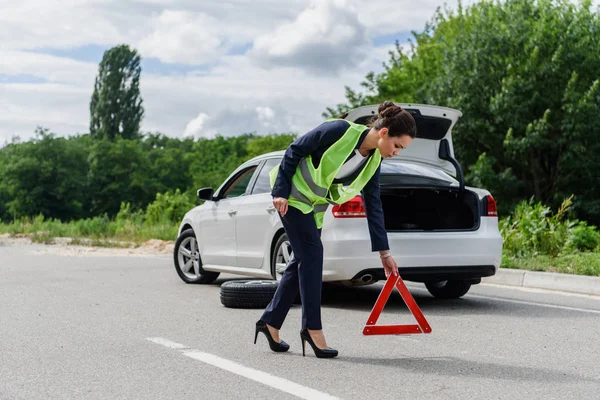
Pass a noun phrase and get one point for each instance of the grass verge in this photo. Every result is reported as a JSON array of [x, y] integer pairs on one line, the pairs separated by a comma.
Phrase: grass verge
[[98, 231], [576, 263], [102, 232]]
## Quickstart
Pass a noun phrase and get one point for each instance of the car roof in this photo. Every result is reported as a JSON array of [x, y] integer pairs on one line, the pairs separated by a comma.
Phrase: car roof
[[391, 161], [272, 154]]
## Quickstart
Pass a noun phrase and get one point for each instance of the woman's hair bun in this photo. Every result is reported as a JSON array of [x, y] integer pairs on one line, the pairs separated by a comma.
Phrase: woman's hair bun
[[388, 109], [398, 121]]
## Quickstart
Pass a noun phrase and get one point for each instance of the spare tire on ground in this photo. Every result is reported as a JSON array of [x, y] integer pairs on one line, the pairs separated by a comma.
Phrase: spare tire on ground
[[248, 293]]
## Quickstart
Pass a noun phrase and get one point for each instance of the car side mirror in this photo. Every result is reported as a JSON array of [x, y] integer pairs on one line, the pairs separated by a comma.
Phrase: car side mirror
[[206, 194]]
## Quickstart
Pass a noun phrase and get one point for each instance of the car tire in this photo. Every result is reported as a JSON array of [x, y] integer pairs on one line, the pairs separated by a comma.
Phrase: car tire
[[186, 251], [448, 289], [248, 293], [277, 257]]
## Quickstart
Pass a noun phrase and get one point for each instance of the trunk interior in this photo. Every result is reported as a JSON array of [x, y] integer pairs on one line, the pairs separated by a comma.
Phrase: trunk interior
[[429, 209]]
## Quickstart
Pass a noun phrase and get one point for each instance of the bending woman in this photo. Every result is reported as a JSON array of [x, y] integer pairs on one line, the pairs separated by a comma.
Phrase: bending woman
[[331, 164]]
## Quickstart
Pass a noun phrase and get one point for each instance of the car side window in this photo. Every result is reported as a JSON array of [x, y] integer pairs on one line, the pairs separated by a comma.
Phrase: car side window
[[239, 184], [263, 181]]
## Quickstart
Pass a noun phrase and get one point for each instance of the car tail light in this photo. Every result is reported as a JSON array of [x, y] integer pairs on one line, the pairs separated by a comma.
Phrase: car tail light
[[355, 208], [492, 210]]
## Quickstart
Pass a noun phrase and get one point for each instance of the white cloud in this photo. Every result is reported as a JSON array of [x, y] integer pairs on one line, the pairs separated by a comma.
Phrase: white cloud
[[30, 24], [238, 95], [325, 37], [265, 115], [183, 37], [67, 24], [384, 17], [291, 40], [195, 128], [233, 121], [50, 68], [60, 103], [277, 100], [62, 108]]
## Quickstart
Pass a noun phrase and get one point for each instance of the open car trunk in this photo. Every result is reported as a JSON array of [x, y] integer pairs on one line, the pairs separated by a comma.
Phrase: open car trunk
[[423, 188], [429, 209]]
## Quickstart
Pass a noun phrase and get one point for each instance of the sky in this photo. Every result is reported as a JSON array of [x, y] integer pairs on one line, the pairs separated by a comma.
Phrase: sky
[[208, 67]]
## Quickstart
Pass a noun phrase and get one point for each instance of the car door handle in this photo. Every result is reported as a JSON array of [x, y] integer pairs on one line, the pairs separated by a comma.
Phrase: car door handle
[[271, 210], [232, 212]]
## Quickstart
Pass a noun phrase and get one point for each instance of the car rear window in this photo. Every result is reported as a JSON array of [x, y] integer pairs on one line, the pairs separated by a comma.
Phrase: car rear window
[[393, 168]]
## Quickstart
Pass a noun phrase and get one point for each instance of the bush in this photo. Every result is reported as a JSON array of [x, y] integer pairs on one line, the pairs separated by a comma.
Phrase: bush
[[169, 207], [583, 237], [532, 230], [126, 215]]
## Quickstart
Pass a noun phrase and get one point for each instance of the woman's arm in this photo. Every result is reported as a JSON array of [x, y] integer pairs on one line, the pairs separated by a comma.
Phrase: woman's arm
[[372, 199], [375, 220]]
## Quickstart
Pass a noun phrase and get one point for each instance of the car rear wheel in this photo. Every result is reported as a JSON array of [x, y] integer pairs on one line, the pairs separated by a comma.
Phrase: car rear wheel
[[448, 289], [188, 263]]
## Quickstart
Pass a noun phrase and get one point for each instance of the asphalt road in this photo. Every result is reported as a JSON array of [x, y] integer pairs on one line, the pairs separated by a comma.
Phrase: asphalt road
[[101, 327]]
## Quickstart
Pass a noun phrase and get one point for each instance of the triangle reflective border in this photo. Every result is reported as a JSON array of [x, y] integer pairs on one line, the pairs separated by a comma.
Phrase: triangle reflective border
[[372, 329]]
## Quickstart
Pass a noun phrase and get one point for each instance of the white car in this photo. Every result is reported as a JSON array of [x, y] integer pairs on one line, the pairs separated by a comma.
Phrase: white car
[[440, 232]]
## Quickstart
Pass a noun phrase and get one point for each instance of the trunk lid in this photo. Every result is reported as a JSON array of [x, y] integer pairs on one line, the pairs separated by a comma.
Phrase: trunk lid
[[434, 125]]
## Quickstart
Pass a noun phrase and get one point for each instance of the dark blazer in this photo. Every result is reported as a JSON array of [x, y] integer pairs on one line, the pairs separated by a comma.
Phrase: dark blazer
[[315, 143]]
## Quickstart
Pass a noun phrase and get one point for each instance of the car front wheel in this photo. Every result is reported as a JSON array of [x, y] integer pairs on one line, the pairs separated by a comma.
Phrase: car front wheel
[[188, 263], [280, 259], [448, 289], [282, 254]]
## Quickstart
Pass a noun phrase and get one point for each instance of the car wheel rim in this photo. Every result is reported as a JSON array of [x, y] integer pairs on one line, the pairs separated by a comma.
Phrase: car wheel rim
[[282, 258], [188, 257], [260, 283]]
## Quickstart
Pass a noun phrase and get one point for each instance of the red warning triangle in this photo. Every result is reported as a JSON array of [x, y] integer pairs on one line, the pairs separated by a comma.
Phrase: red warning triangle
[[372, 329]]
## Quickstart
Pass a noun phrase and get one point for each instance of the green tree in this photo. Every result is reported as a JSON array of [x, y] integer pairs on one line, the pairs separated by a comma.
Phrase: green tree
[[119, 172], [77, 177], [212, 160], [525, 75], [167, 171], [265, 144], [410, 76], [116, 105], [46, 175]]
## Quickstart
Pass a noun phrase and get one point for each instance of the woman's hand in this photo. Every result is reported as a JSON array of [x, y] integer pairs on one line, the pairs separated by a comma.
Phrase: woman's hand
[[390, 267], [280, 205]]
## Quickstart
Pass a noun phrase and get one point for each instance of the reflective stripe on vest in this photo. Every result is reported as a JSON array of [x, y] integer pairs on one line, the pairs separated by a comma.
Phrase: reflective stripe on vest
[[305, 172], [296, 193], [321, 208]]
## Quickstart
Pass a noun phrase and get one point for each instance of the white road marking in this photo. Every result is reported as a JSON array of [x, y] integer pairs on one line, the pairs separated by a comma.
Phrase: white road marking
[[540, 290], [259, 376], [531, 303], [168, 343]]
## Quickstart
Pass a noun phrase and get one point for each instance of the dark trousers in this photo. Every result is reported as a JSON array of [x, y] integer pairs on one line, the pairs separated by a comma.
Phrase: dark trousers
[[304, 272]]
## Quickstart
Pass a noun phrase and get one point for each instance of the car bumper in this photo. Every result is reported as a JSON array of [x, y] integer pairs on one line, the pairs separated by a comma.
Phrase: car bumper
[[420, 256]]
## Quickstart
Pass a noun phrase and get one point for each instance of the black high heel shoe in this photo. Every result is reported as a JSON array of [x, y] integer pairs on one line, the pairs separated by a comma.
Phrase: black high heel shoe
[[261, 326], [320, 353]]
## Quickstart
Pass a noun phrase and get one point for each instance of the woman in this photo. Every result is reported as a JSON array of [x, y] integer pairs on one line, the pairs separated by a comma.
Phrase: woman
[[329, 165]]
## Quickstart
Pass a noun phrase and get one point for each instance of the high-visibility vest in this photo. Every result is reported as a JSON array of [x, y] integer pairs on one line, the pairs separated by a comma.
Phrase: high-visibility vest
[[313, 188]]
